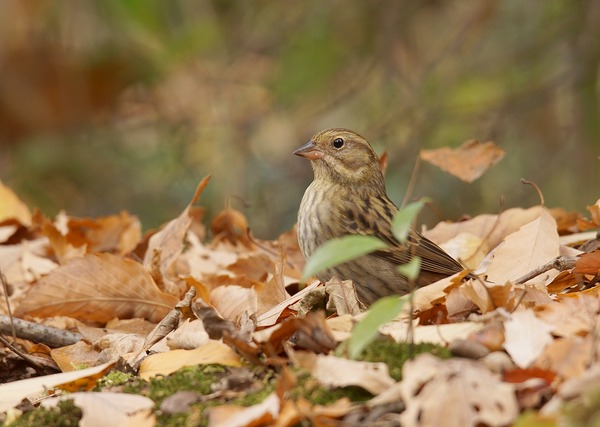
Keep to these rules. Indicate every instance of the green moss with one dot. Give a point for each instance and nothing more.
(310, 389)
(65, 414)
(194, 378)
(112, 379)
(394, 354)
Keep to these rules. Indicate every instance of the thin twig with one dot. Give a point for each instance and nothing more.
(560, 263)
(537, 188)
(8, 309)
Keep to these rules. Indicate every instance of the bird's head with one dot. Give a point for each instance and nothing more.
(343, 156)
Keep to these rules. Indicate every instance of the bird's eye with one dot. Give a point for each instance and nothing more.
(338, 143)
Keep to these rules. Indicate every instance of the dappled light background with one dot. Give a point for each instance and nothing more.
(125, 105)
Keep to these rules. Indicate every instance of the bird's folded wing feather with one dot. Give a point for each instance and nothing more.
(374, 218)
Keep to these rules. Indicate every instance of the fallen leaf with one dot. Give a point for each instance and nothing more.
(578, 315)
(588, 264)
(525, 337)
(12, 393)
(567, 357)
(97, 288)
(456, 392)
(166, 245)
(342, 297)
(233, 301)
(335, 372)
(532, 246)
(264, 413)
(105, 408)
(492, 228)
(467, 162)
(13, 208)
(170, 361)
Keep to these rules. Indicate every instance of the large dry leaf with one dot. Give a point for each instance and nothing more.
(532, 246)
(13, 208)
(233, 301)
(492, 228)
(170, 361)
(106, 408)
(119, 233)
(97, 288)
(334, 371)
(261, 414)
(567, 357)
(454, 393)
(274, 290)
(588, 264)
(467, 162)
(579, 315)
(439, 334)
(12, 393)
(525, 337)
(594, 221)
(166, 245)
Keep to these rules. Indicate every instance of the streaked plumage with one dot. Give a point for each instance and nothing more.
(348, 196)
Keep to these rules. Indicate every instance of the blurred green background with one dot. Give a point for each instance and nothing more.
(126, 104)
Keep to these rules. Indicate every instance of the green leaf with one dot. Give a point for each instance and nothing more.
(411, 269)
(382, 311)
(338, 251)
(405, 217)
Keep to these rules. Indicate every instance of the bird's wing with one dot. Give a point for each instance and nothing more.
(373, 216)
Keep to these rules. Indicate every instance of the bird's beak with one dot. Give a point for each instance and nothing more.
(310, 151)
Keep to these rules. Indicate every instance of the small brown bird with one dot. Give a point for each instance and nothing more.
(348, 196)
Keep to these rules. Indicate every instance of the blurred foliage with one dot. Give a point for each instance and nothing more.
(126, 104)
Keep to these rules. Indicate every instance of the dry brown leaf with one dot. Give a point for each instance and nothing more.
(469, 249)
(342, 297)
(233, 301)
(487, 296)
(64, 248)
(492, 228)
(231, 225)
(594, 221)
(170, 361)
(21, 265)
(456, 392)
(525, 337)
(166, 245)
(439, 334)
(532, 246)
(188, 335)
(12, 393)
(566, 222)
(467, 162)
(274, 290)
(73, 357)
(578, 315)
(270, 317)
(569, 357)
(97, 288)
(261, 414)
(294, 411)
(335, 372)
(6, 231)
(115, 233)
(588, 264)
(459, 305)
(11, 208)
(106, 408)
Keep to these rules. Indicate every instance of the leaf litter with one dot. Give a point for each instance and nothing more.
(234, 302)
